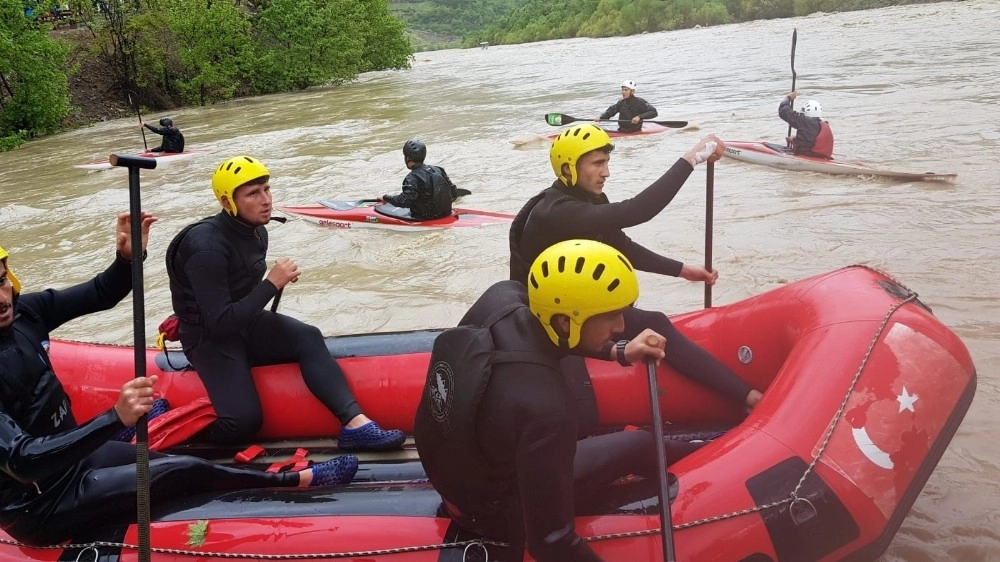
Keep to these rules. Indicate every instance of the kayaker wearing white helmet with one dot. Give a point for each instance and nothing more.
(630, 110)
(813, 136)
(173, 140)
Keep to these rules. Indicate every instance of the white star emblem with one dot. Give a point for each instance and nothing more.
(906, 400)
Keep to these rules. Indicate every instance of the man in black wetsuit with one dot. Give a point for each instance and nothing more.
(219, 290)
(515, 471)
(631, 111)
(59, 478)
(575, 206)
(427, 190)
(173, 140)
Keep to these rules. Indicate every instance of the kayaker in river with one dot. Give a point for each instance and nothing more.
(219, 292)
(575, 206)
(504, 448)
(813, 136)
(630, 110)
(59, 478)
(427, 190)
(173, 140)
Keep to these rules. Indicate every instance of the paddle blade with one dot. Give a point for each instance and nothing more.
(559, 119)
(672, 124)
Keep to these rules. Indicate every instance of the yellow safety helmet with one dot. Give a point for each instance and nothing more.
(14, 282)
(233, 173)
(581, 279)
(573, 143)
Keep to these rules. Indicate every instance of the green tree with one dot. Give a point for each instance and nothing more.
(34, 91)
(383, 38)
(306, 43)
(213, 48)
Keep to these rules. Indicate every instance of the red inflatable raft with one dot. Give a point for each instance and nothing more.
(864, 389)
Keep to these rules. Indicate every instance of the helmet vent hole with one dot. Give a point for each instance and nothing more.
(557, 300)
(534, 283)
(545, 269)
(625, 262)
(237, 170)
(561, 264)
(614, 285)
(579, 265)
(598, 271)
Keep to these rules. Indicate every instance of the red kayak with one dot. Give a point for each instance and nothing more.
(160, 157)
(372, 214)
(863, 390)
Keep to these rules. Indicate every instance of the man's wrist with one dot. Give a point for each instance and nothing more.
(129, 260)
(620, 353)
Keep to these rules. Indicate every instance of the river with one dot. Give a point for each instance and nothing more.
(905, 87)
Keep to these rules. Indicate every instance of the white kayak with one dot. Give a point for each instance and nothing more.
(160, 157)
(776, 156)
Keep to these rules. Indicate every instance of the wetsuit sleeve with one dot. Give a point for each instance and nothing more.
(643, 258)
(582, 219)
(56, 307)
(411, 192)
(30, 459)
(207, 271)
(155, 129)
(648, 111)
(790, 116)
(544, 472)
(613, 110)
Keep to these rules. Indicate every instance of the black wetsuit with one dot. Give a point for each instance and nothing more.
(560, 213)
(626, 109)
(58, 478)
(427, 192)
(528, 428)
(173, 140)
(218, 291)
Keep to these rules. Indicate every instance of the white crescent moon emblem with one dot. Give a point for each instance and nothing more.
(870, 450)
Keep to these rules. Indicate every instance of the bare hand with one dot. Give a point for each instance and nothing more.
(636, 120)
(136, 399)
(699, 273)
(793, 95)
(284, 272)
(647, 345)
(708, 149)
(753, 397)
(598, 118)
(123, 236)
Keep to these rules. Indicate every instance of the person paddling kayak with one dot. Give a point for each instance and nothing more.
(173, 140)
(630, 109)
(813, 136)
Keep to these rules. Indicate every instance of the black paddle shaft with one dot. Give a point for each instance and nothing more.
(666, 525)
(709, 212)
(134, 164)
(135, 106)
(795, 37)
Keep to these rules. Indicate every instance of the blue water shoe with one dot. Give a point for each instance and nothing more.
(370, 437)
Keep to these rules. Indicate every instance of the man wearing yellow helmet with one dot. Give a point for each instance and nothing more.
(575, 206)
(59, 478)
(501, 444)
(219, 292)
(631, 110)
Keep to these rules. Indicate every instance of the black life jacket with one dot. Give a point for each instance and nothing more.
(445, 427)
(518, 265)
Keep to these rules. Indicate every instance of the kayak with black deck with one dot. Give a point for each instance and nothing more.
(777, 156)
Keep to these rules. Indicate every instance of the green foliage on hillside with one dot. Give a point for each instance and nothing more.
(34, 92)
(539, 20)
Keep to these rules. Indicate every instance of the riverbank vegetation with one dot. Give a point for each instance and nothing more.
(185, 52)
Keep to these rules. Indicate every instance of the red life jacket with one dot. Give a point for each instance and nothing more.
(824, 141)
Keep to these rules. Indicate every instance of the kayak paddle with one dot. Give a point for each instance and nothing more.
(795, 36)
(558, 119)
(348, 205)
(666, 521)
(131, 101)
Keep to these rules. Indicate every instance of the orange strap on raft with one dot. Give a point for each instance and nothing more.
(295, 463)
(249, 454)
